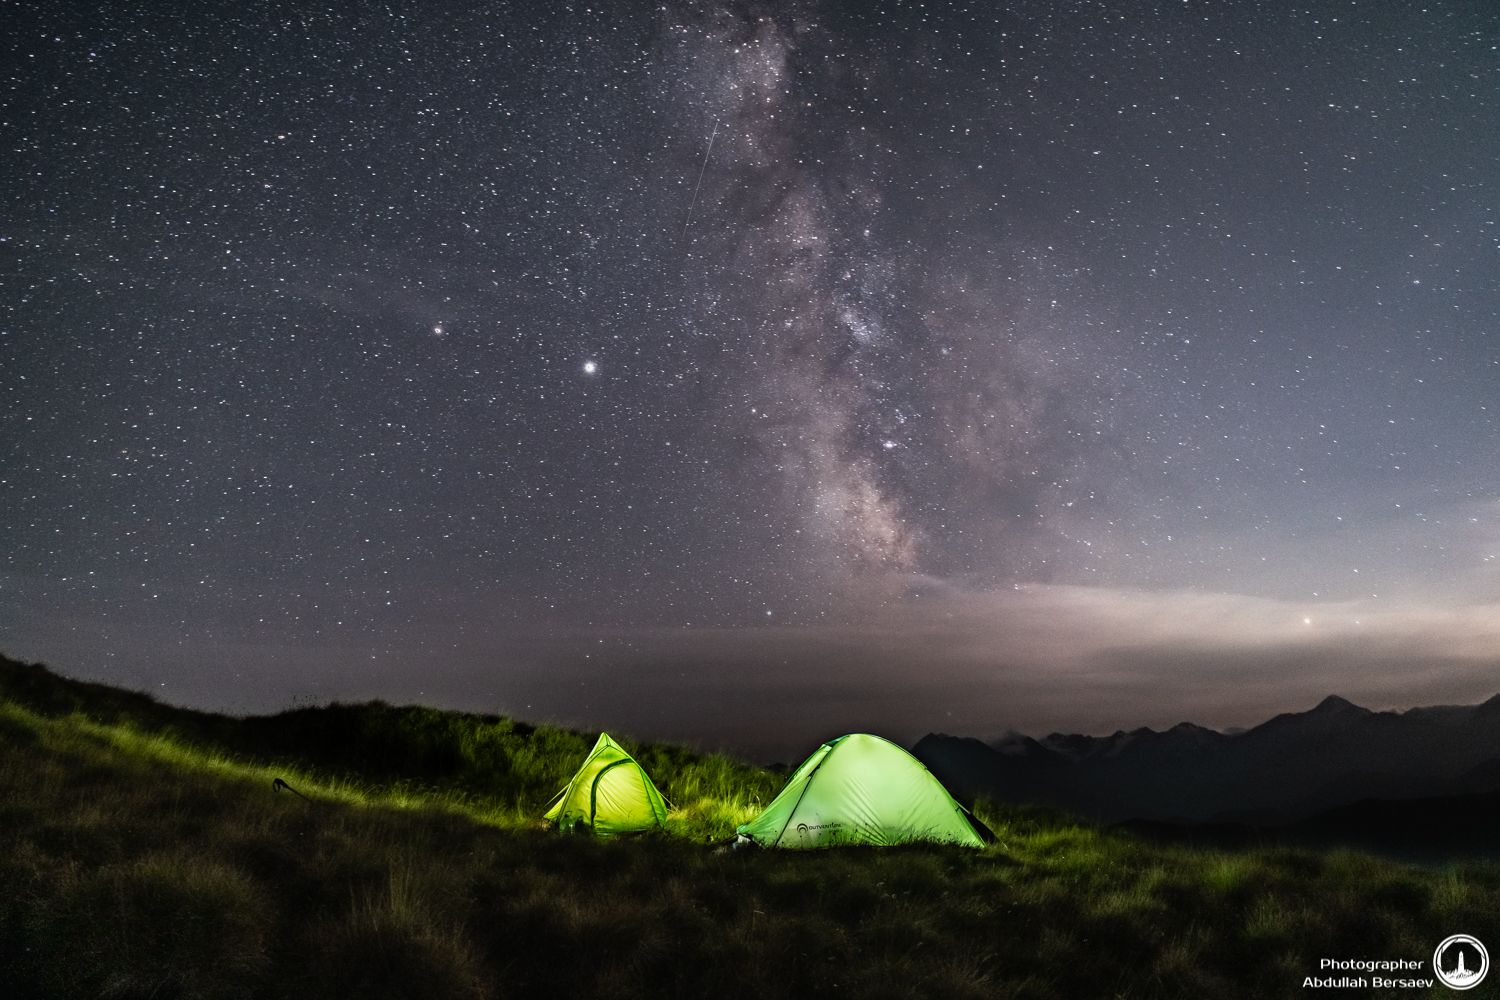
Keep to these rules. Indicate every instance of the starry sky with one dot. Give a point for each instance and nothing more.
(749, 374)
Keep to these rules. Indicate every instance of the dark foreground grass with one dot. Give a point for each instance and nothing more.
(131, 866)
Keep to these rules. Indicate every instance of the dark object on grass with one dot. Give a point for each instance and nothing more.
(278, 784)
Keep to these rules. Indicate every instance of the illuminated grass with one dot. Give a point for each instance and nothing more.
(63, 735)
(710, 808)
(141, 856)
(489, 768)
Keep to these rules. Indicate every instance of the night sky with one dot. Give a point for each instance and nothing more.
(752, 374)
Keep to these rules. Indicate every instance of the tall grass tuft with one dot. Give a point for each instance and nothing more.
(398, 940)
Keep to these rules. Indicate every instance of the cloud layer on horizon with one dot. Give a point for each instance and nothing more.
(1033, 658)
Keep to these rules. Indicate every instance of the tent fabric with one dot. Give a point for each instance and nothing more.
(861, 789)
(609, 794)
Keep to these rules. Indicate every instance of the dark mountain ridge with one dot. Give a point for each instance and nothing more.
(1283, 770)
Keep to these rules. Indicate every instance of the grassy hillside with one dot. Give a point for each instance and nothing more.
(492, 767)
(144, 853)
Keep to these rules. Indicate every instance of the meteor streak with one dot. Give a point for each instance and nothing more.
(701, 170)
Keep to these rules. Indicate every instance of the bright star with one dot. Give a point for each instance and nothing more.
(589, 367)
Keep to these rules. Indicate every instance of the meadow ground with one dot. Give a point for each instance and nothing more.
(144, 853)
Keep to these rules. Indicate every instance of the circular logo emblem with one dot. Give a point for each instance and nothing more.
(1460, 962)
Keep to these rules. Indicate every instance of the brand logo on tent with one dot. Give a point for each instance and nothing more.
(805, 830)
(1460, 962)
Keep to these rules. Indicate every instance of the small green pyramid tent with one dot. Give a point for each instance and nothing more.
(862, 790)
(610, 794)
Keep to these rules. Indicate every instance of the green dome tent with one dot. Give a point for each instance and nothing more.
(862, 790)
(610, 794)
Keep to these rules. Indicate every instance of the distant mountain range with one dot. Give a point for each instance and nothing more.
(1282, 772)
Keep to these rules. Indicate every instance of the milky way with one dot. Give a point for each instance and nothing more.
(780, 368)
